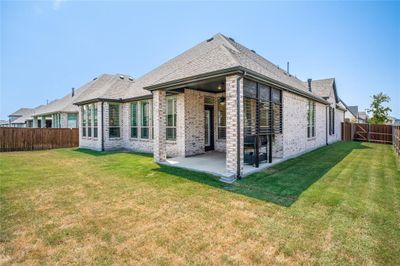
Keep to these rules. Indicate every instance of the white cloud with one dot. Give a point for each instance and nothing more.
(57, 4)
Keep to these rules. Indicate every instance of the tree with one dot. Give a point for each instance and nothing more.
(380, 113)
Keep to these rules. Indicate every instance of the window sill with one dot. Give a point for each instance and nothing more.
(221, 140)
(142, 140)
(114, 138)
(170, 141)
(312, 138)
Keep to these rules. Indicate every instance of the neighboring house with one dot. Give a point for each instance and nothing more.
(16, 119)
(64, 114)
(4, 123)
(393, 121)
(362, 117)
(218, 96)
(351, 112)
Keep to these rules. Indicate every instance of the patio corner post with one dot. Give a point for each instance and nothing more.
(43, 123)
(234, 125)
(35, 122)
(159, 110)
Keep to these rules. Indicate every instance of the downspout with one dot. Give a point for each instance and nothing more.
(326, 124)
(102, 126)
(238, 135)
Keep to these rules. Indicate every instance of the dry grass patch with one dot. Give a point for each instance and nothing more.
(72, 207)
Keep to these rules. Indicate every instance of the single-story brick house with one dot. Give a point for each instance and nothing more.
(217, 96)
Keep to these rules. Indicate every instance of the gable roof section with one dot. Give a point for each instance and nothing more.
(107, 87)
(216, 56)
(324, 88)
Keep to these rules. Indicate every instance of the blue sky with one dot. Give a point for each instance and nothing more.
(49, 47)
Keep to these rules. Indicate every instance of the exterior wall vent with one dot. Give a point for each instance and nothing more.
(209, 40)
(309, 85)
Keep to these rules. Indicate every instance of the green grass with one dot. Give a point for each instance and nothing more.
(337, 205)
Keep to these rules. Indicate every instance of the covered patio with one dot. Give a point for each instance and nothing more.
(229, 126)
(214, 163)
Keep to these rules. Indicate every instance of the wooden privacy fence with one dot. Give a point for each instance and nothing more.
(396, 139)
(367, 132)
(27, 139)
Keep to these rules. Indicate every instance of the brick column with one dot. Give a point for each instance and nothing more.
(180, 124)
(43, 123)
(159, 112)
(232, 125)
(35, 122)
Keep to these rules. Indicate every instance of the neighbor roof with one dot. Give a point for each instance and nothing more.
(95, 88)
(21, 112)
(26, 116)
(354, 110)
(217, 54)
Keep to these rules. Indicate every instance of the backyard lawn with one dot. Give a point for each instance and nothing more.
(337, 205)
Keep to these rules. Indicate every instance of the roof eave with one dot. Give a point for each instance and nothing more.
(97, 100)
(234, 70)
(200, 77)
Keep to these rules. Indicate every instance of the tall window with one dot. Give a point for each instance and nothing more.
(311, 119)
(89, 117)
(71, 117)
(145, 119)
(221, 118)
(83, 111)
(331, 121)
(171, 118)
(134, 123)
(95, 123)
(114, 123)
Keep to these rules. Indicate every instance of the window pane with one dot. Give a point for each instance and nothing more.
(95, 116)
(144, 133)
(95, 132)
(134, 114)
(114, 115)
(171, 133)
(71, 120)
(145, 114)
(133, 132)
(221, 118)
(114, 132)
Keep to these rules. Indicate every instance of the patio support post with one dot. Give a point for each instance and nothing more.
(234, 118)
(43, 123)
(159, 111)
(35, 122)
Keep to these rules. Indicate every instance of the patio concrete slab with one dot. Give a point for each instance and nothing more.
(214, 163)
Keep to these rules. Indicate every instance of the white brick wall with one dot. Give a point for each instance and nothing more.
(295, 139)
(232, 123)
(190, 127)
